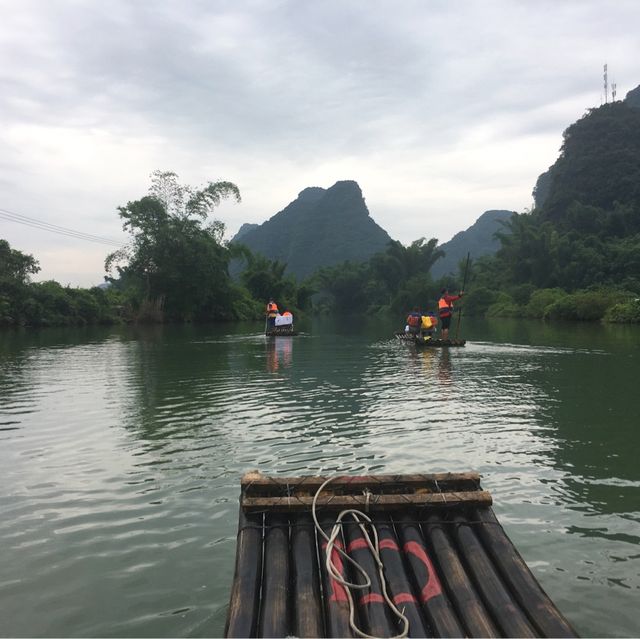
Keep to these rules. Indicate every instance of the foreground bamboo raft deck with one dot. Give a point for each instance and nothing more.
(448, 563)
(429, 343)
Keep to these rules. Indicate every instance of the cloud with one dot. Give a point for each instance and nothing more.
(439, 110)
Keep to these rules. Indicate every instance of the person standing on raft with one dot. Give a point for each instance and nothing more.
(445, 309)
(272, 311)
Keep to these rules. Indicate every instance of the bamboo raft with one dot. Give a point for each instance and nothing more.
(280, 330)
(448, 563)
(429, 343)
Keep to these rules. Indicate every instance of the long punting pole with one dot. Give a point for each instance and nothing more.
(464, 284)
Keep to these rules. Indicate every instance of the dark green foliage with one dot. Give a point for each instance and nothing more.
(397, 279)
(322, 227)
(47, 303)
(585, 233)
(176, 266)
(625, 312)
(478, 300)
(582, 305)
(265, 279)
(540, 300)
(598, 163)
(344, 288)
(479, 240)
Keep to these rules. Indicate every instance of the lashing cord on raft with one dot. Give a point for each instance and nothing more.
(359, 518)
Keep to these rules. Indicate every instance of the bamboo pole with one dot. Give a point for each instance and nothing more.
(399, 588)
(298, 503)
(244, 605)
(307, 603)
(336, 604)
(464, 284)
(255, 480)
(373, 611)
(469, 606)
(274, 613)
(524, 586)
(511, 620)
(435, 603)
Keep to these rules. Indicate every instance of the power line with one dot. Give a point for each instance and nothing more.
(54, 228)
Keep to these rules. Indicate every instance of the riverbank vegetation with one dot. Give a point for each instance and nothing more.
(175, 268)
(575, 256)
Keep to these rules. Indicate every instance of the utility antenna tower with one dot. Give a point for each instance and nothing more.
(606, 85)
(613, 91)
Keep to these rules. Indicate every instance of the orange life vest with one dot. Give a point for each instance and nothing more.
(413, 320)
(272, 308)
(445, 308)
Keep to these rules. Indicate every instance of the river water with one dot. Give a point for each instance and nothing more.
(121, 452)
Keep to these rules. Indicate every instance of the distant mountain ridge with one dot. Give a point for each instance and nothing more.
(478, 240)
(321, 227)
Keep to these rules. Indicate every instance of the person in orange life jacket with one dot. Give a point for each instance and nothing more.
(445, 309)
(272, 311)
(413, 321)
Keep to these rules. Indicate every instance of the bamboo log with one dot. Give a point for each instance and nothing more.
(399, 588)
(511, 620)
(307, 603)
(470, 608)
(524, 586)
(256, 479)
(244, 605)
(373, 611)
(274, 615)
(336, 603)
(435, 603)
(377, 502)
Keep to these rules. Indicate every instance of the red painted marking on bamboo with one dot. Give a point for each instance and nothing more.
(404, 597)
(372, 597)
(389, 544)
(357, 544)
(338, 593)
(432, 588)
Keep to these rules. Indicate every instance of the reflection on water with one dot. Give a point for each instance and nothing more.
(279, 352)
(122, 450)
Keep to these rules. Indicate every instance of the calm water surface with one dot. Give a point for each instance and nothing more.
(121, 451)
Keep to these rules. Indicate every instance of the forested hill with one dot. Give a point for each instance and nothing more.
(584, 231)
(322, 227)
(479, 239)
(599, 162)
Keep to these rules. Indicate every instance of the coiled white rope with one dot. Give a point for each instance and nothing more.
(359, 518)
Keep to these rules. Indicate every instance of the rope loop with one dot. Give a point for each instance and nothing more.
(361, 519)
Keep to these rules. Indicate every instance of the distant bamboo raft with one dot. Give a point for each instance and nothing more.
(448, 563)
(429, 343)
(280, 330)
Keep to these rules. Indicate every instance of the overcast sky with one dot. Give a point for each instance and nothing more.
(439, 110)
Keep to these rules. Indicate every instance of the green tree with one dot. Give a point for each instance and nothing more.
(175, 260)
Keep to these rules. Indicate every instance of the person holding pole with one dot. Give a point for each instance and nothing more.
(445, 309)
(272, 312)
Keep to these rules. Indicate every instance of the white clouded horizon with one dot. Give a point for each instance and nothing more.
(439, 111)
